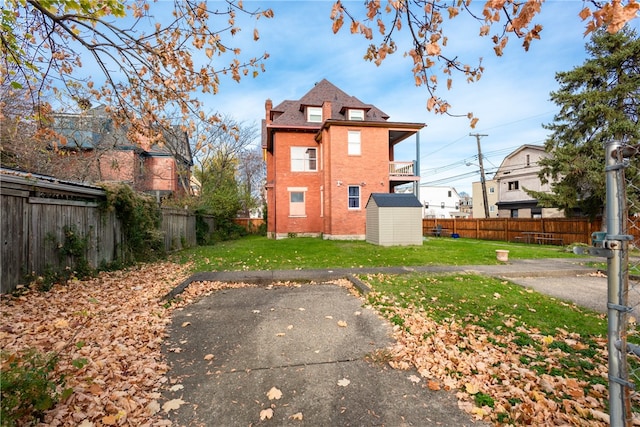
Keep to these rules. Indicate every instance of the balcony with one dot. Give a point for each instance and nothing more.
(402, 173)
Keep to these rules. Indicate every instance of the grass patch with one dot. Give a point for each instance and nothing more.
(260, 253)
(557, 341)
(493, 304)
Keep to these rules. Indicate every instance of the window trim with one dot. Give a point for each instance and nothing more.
(314, 112)
(350, 198)
(306, 159)
(352, 144)
(359, 116)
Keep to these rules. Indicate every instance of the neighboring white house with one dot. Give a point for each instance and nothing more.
(478, 201)
(440, 202)
(517, 172)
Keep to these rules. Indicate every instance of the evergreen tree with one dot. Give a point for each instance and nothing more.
(599, 103)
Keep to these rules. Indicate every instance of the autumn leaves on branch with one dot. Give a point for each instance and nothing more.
(424, 20)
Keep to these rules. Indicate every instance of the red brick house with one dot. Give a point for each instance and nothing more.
(96, 150)
(325, 154)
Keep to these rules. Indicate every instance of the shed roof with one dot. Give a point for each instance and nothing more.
(395, 200)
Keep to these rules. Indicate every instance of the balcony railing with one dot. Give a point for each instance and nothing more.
(397, 169)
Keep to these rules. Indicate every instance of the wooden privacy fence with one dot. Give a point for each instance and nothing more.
(563, 230)
(37, 213)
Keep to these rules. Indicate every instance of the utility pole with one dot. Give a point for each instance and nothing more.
(482, 179)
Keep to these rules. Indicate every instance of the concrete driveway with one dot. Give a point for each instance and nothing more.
(233, 352)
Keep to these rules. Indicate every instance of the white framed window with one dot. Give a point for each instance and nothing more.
(314, 114)
(355, 115)
(354, 197)
(304, 159)
(353, 139)
(492, 190)
(297, 201)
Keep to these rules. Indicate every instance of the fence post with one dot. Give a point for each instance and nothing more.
(617, 309)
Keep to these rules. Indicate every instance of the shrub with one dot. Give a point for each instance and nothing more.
(140, 218)
(27, 386)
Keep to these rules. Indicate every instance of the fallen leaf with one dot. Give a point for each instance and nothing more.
(172, 404)
(433, 385)
(280, 334)
(266, 414)
(177, 387)
(274, 393)
(297, 416)
(95, 389)
(471, 388)
(342, 323)
(208, 357)
(290, 327)
(153, 407)
(414, 378)
(109, 420)
(61, 323)
(344, 382)
(185, 324)
(328, 317)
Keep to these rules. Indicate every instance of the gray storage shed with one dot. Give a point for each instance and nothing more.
(394, 219)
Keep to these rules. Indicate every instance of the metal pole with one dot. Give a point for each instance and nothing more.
(416, 184)
(616, 305)
(483, 181)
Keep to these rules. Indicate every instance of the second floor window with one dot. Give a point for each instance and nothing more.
(354, 197)
(304, 159)
(354, 143)
(514, 185)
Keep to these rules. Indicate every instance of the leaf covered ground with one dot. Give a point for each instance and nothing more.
(108, 333)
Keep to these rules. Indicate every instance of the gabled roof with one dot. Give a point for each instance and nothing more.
(94, 129)
(292, 113)
(395, 200)
(505, 170)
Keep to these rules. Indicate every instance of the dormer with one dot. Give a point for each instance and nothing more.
(312, 113)
(354, 113)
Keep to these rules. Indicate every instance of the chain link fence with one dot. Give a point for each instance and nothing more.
(621, 246)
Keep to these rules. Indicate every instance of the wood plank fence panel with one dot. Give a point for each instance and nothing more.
(33, 227)
(569, 230)
(179, 229)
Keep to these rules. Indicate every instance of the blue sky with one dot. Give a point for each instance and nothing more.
(511, 100)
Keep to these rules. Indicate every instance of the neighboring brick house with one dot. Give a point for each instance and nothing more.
(519, 172)
(104, 153)
(325, 154)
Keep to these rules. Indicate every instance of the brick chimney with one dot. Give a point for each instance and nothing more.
(268, 105)
(326, 110)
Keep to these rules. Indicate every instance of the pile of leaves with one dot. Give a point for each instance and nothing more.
(515, 375)
(106, 336)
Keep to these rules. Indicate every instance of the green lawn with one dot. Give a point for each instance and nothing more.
(260, 253)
